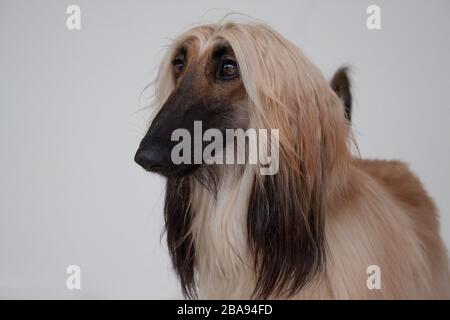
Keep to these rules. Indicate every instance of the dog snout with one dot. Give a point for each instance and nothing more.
(151, 159)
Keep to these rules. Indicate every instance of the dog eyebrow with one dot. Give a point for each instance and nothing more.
(182, 49)
(221, 49)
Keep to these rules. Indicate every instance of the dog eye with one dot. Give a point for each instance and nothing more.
(228, 70)
(178, 65)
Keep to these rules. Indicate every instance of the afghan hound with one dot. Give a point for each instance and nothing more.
(313, 229)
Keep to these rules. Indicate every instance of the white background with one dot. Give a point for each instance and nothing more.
(70, 192)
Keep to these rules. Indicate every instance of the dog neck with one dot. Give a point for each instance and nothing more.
(223, 263)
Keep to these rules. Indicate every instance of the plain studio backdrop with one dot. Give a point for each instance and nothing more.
(70, 192)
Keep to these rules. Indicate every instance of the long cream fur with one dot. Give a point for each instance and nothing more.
(377, 212)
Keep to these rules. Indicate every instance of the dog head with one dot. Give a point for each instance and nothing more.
(207, 88)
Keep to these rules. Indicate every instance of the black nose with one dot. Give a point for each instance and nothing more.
(150, 159)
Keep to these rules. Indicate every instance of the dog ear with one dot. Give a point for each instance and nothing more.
(286, 237)
(178, 217)
(286, 214)
(342, 87)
